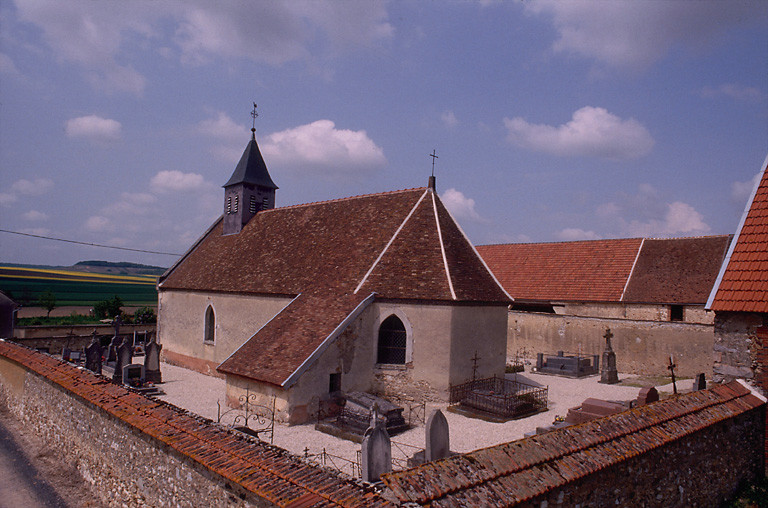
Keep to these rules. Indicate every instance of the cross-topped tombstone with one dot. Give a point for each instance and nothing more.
(124, 357)
(93, 355)
(608, 374)
(116, 324)
(376, 454)
(152, 362)
(112, 349)
(438, 444)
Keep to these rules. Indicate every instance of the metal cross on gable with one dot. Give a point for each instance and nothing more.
(434, 156)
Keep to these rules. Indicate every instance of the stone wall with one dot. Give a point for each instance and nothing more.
(642, 347)
(734, 351)
(701, 469)
(126, 467)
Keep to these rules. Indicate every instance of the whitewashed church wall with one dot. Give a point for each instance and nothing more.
(181, 324)
(478, 332)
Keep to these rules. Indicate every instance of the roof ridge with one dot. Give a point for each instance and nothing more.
(348, 198)
(561, 242)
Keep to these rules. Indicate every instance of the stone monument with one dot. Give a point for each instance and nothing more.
(152, 362)
(124, 357)
(93, 355)
(608, 374)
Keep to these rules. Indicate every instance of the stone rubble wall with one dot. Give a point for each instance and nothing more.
(126, 467)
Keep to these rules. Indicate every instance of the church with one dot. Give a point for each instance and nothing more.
(380, 293)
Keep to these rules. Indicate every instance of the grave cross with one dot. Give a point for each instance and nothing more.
(608, 336)
(474, 365)
(671, 368)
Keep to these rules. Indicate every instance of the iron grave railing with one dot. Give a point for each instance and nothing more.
(500, 397)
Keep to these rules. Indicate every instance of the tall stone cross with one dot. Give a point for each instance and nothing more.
(608, 336)
(474, 366)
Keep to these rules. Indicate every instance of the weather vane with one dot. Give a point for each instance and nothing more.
(434, 156)
(254, 114)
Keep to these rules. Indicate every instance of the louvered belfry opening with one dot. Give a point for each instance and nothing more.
(392, 341)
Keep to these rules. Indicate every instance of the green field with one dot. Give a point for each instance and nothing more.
(25, 285)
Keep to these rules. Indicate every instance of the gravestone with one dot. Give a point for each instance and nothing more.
(152, 362)
(699, 382)
(93, 356)
(112, 349)
(124, 357)
(438, 445)
(133, 374)
(647, 395)
(608, 374)
(376, 453)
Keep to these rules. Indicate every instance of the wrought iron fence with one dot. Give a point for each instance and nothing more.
(342, 464)
(254, 419)
(500, 396)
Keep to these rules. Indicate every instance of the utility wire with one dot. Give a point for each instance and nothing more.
(90, 244)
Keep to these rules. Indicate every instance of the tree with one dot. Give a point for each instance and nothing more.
(47, 300)
(144, 315)
(108, 308)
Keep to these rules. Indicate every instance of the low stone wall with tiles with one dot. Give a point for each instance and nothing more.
(138, 451)
(702, 469)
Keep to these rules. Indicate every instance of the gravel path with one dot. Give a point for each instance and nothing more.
(199, 393)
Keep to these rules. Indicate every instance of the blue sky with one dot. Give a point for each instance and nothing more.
(552, 120)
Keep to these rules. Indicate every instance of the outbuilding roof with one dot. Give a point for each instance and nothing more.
(515, 472)
(333, 255)
(742, 285)
(636, 270)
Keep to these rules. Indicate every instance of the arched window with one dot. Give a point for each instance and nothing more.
(210, 324)
(392, 341)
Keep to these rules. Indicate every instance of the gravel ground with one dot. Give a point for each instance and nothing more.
(199, 393)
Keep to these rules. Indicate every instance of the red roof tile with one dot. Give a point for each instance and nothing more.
(334, 254)
(595, 270)
(267, 471)
(742, 282)
(514, 472)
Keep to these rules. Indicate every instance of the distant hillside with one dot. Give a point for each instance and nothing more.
(107, 267)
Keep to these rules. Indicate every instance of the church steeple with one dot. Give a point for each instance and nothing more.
(250, 189)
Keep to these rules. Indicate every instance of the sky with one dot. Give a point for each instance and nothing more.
(551, 120)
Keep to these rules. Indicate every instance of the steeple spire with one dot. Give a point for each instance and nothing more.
(250, 189)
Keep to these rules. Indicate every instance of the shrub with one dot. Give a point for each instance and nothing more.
(108, 308)
(144, 315)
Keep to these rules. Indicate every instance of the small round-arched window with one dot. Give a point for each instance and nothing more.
(210, 325)
(392, 341)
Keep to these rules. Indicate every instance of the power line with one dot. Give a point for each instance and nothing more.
(89, 244)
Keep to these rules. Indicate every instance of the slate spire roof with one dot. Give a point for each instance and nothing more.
(331, 257)
(742, 285)
(251, 169)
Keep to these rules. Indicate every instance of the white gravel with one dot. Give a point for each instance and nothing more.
(199, 393)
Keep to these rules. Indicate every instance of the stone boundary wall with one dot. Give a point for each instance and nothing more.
(642, 347)
(703, 468)
(34, 332)
(139, 451)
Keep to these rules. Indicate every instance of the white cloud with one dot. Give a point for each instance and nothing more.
(460, 206)
(99, 35)
(132, 204)
(320, 146)
(733, 91)
(34, 216)
(222, 127)
(176, 181)
(449, 119)
(37, 231)
(24, 187)
(592, 132)
(679, 219)
(574, 234)
(741, 191)
(93, 127)
(98, 224)
(636, 34)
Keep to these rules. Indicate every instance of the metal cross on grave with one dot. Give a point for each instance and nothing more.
(671, 368)
(474, 365)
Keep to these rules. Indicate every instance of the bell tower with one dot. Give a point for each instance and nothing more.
(250, 189)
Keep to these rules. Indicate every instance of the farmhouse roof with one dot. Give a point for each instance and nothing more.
(636, 270)
(742, 285)
(333, 255)
(251, 169)
(515, 472)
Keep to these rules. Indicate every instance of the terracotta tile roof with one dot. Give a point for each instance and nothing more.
(334, 254)
(518, 471)
(743, 281)
(676, 270)
(267, 471)
(590, 271)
